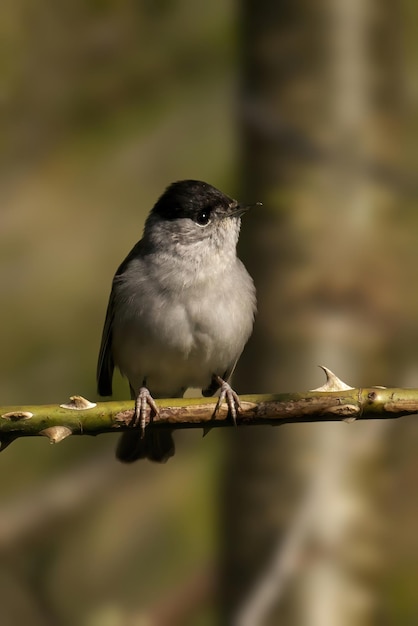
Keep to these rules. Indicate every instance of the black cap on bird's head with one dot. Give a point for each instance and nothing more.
(193, 199)
(191, 210)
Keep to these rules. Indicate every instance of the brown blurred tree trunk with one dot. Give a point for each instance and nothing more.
(317, 130)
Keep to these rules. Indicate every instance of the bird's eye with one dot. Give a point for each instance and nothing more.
(203, 218)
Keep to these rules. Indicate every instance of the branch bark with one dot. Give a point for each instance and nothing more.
(332, 402)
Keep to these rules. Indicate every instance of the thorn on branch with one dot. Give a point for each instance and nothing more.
(56, 434)
(333, 383)
(348, 412)
(78, 403)
(16, 416)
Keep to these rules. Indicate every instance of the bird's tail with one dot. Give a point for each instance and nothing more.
(156, 445)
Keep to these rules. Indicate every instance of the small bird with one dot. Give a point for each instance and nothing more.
(180, 311)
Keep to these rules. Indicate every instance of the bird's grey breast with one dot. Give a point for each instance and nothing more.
(170, 316)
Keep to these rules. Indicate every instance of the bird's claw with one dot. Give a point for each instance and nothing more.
(231, 398)
(143, 400)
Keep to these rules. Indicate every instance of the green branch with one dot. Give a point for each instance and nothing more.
(335, 401)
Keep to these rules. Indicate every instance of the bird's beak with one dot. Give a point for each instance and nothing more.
(239, 210)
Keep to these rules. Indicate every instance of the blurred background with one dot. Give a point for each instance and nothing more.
(311, 108)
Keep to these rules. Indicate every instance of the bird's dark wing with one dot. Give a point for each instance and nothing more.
(105, 363)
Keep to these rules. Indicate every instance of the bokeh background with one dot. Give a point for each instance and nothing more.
(311, 108)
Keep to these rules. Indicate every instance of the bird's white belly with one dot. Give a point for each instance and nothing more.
(173, 346)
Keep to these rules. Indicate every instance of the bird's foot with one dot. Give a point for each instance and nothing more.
(229, 396)
(143, 400)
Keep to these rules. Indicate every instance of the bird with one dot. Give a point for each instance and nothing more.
(181, 309)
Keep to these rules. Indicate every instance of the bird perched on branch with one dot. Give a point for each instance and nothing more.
(180, 311)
